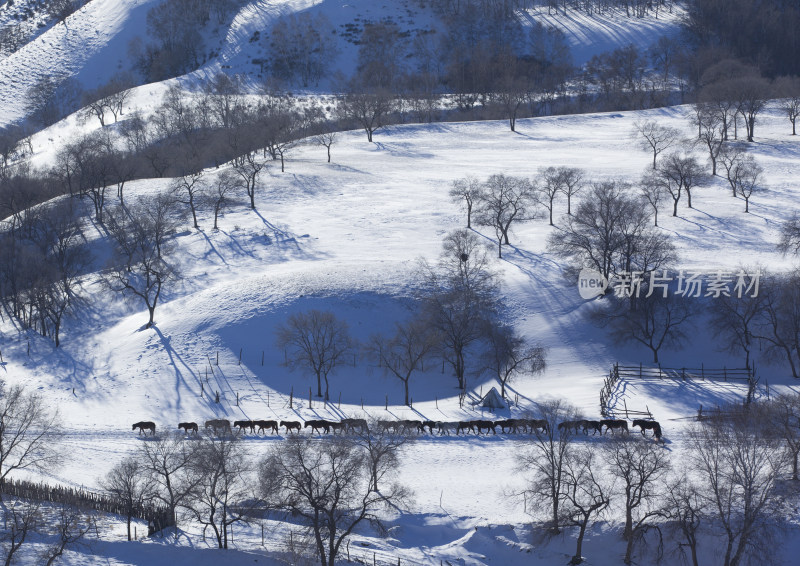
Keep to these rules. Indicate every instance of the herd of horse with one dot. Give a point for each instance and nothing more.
(320, 426)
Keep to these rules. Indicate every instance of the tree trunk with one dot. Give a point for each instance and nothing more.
(577, 559)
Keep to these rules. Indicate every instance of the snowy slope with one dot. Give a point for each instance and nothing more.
(346, 236)
(92, 44)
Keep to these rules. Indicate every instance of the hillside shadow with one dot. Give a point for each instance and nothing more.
(358, 378)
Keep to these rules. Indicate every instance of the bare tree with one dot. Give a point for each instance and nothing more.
(656, 321)
(503, 201)
(189, 189)
(778, 327)
(469, 190)
(223, 188)
(70, 527)
(222, 495)
(326, 139)
(170, 464)
(571, 179)
(317, 341)
(508, 355)
(370, 110)
(734, 321)
(327, 485)
(248, 167)
(784, 415)
(788, 88)
(21, 519)
(547, 457)
(710, 133)
(548, 190)
(11, 146)
(730, 156)
(586, 494)
(751, 94)
(680, 173)
(610, 232)
(404, 353)
(459, 295)
(654, 192)
(739, 460)
(640, 468)
(510, 93)
(687, 511)
(140, 235)
(790, 236)
(27, 430)
(655, 137)
(128, 483)
(745, 178)
(383, 448)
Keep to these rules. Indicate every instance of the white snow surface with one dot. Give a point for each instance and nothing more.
(346, 237)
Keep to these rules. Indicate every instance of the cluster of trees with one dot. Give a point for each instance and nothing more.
(43, 255)
(733, 496)
(502, 200)
(28, 428)
(760, 32)
(457, 318)
(176, 28)
(301, 48)
(330, 486)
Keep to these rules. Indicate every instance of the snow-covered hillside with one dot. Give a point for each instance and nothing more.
(92, 44)
(346, 236)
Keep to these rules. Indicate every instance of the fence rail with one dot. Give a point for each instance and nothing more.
(157, 517)
(702, 373)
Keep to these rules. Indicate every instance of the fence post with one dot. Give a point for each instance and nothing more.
(703, 371)
(387, 402)
(240, 356)
(262, 358)
(640, 370)
(339, 406)
(309, 397)
(725, 373)
(291, 397)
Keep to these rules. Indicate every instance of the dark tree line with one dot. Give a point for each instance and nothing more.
(43, 257)
(762, 32)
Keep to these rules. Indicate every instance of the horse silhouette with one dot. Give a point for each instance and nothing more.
(145, 425)
(188, 427)
(648, 425)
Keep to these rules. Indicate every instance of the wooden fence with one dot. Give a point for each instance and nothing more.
(701, 373)
(157, 517)
(744, 375)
